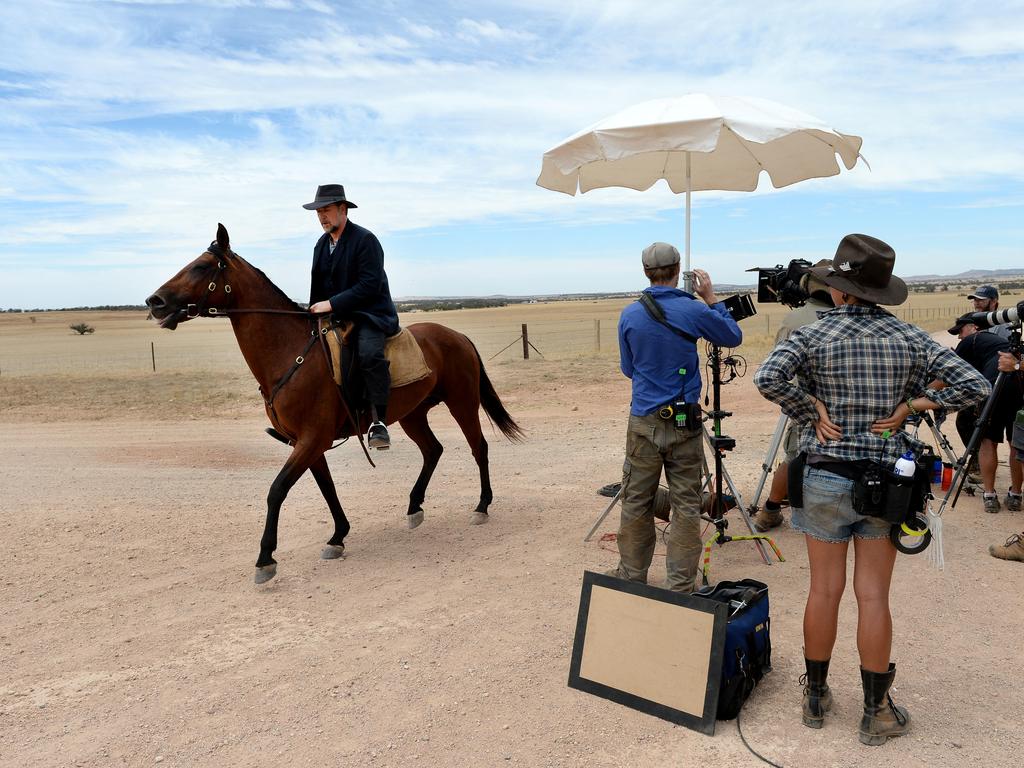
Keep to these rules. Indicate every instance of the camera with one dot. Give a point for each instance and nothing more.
(1008, 316)
(781, 283)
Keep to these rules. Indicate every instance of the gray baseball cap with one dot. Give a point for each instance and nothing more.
(660, 255)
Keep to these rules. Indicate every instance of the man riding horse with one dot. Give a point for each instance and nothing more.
(348, 281)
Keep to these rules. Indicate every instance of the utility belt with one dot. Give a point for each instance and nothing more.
(683, 415)
(879, 492)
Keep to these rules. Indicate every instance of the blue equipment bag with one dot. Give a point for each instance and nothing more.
(748, 645)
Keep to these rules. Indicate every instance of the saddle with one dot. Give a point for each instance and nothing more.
(402, 351)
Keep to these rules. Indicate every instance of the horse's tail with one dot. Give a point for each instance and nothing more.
(493, 406)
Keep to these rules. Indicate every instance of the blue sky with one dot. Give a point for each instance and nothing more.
(128, 129)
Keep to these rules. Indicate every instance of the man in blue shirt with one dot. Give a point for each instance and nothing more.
(661, 360)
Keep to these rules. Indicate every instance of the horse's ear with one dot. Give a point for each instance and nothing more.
(222, 239)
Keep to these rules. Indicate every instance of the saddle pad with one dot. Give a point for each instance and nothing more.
(406, 358)
(402, 351)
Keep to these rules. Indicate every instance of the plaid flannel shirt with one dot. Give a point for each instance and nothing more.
(862, 362)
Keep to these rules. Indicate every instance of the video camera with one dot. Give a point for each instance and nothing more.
(1008, 316)
(781, 283)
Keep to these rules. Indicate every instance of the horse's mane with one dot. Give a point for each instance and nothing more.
(293, 305)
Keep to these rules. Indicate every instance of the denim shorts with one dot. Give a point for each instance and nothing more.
(828, 514)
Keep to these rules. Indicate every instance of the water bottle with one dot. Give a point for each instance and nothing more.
(906, 465)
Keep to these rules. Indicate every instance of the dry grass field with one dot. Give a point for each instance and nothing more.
(132, 634)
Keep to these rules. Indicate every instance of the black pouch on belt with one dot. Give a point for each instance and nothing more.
(882, 493)
(686, 416)
(795, 478)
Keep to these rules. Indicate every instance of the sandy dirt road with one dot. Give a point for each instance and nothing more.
(132, 633)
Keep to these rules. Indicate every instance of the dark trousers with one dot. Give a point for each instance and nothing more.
(372, 363)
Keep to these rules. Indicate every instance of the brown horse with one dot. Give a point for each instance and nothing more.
(279, 341)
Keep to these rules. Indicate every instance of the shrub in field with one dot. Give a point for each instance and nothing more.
(82, 328)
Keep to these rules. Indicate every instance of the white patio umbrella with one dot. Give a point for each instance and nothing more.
(698, 142)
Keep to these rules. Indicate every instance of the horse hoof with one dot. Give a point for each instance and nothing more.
(414, 519)
(265, 573)
(479, 518)
(332, 552)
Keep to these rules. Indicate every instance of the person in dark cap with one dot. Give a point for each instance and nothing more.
(851, 379)
(659, 356)
(348, 281)
(986, 299)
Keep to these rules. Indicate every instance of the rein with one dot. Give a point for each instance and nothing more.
(202, 310)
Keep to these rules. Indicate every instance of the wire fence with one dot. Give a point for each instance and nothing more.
(211, 347)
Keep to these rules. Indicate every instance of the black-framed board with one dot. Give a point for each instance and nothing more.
(650, 649)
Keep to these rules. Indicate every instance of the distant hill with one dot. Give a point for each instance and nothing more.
(973, 275)
(1007, 279)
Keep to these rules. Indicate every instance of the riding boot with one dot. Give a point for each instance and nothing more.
(882, 718)
(817, 696)
(378, 436)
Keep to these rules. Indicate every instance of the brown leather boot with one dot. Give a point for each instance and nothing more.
(766, 519)
(882, 719)
(817, 696)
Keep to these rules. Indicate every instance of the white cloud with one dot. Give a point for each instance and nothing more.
(437, 119)
(487, 30)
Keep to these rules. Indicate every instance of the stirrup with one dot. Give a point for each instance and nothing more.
(278, 436)
(377, 436)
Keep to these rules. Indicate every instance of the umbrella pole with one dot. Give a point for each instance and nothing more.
(687, 275)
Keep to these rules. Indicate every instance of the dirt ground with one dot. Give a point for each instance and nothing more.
(132, 633)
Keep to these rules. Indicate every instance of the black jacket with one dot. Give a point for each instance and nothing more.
(982, 351)
(353, 279)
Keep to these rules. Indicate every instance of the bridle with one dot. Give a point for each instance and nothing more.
(202, 310)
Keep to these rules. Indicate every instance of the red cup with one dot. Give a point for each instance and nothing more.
(947, 475)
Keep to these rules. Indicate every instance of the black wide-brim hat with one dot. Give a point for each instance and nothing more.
(862, 267)
(329, 194)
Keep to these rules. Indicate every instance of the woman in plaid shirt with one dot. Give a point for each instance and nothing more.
(859, 372)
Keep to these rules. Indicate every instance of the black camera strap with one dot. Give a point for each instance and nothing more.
(658, 315)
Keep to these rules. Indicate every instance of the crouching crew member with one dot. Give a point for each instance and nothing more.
(850, 380)
(349, 281)
(664, 432)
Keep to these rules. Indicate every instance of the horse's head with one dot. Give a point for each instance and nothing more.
(199, 289)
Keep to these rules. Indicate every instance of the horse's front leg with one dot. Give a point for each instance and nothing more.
(335, 547)
(299, 461)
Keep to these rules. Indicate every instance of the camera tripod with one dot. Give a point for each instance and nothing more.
(719, 444)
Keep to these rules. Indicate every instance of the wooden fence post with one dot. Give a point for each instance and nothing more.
(597, 333)
(526, 343)
(152, 353)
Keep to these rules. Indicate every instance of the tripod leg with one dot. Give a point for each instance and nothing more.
(739, 502)
(972, 445)
(743, 513)
(769, 459)
(940, 439)
(708, 476)
(603, 515)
